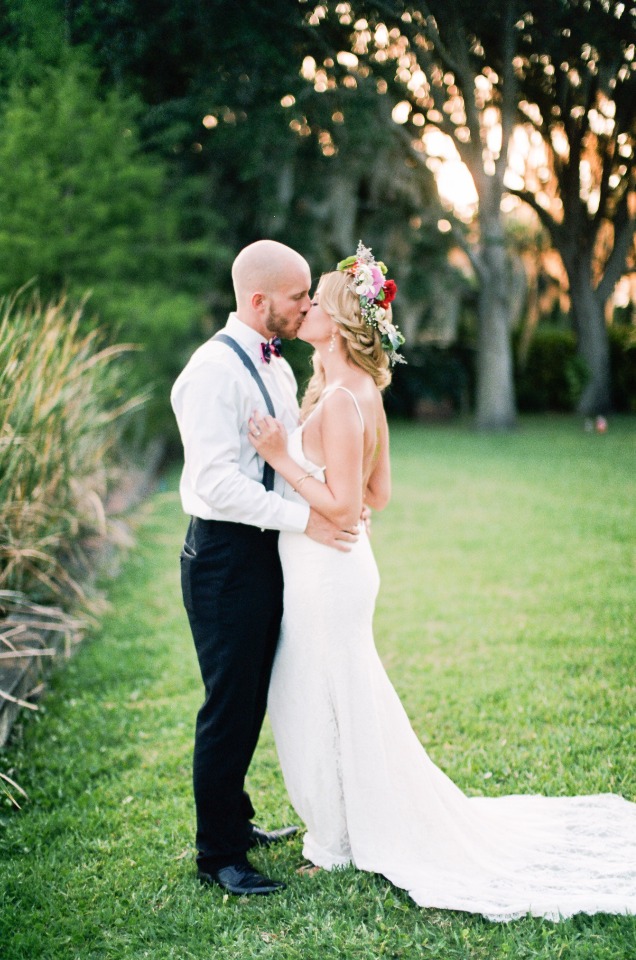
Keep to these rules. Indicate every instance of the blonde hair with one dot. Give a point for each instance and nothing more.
(362, 341)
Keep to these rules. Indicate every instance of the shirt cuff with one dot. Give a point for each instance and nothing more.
(294, 517)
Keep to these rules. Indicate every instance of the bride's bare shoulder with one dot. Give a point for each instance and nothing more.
(366, 396)
(362, 386)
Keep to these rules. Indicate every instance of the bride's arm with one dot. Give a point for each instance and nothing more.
(378, 492)
(340, 497)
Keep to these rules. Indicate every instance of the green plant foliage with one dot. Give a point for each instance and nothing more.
(32, 34)
(82, 206)
(435, 382)
(167, 325)
(63, 401)
(552, 375)
(622, 339)
(79, 202)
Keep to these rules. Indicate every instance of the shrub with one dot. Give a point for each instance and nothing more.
(623, 360)
(84, 206)
(552, 375)
(62, 407)
(80, 202)
(435, 381)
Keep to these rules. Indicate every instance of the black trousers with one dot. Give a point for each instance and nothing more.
(233, 593)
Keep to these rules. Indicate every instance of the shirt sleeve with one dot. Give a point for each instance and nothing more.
(212, 411)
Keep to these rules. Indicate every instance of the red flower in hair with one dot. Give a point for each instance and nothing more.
(389, 289)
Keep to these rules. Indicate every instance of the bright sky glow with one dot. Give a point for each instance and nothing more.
(456, 188)
(347, 59)
(401, 111)
(454, 182)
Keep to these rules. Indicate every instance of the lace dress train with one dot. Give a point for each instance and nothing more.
(370, 795)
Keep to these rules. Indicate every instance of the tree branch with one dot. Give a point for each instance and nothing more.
(476, 261)
(469, 152)
(459, 63)
(604, 188)
(509, 89)
(547, 220)
(624, 227)
(430, 30)
(456, 233)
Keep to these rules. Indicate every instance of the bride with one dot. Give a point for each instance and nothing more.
(355, 770)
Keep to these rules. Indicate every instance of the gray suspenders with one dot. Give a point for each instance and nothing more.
(268, 472)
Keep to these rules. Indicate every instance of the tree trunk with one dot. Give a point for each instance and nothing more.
(593, 342)
(593, 347)
(495, 408)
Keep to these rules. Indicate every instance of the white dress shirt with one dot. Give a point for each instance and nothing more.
(213, 398)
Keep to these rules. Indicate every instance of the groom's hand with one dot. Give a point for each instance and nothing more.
(324, 531)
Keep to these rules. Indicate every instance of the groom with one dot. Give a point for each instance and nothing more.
(230, 571)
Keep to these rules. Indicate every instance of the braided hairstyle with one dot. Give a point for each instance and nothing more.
(362, 341)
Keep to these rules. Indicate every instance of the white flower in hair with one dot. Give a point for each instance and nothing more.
(363, 280)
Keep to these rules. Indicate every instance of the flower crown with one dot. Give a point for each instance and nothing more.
(375, 295)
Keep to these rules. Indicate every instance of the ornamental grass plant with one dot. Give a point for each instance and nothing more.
(62, 407)
(63, 401)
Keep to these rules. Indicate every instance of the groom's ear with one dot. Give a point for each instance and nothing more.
(258, 301)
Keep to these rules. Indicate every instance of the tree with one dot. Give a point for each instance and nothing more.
(79, 203)
(475, 75)
(450, 69)
(212, 76)
(577, 74)
(257, 133)
(82, 207)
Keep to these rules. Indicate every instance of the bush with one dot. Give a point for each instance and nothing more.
(167, 326)
(439, 381)
(83, 206)
(436, 381)
(552, 375)
(63, 398)
(80, 202)
(623, 361)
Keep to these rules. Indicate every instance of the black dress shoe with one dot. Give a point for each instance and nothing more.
(265, 838)
(241, 879)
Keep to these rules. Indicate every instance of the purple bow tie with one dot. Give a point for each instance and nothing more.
(271, 348)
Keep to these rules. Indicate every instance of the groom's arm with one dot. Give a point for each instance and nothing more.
(212, 413)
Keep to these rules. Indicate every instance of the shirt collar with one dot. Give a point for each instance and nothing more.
(248, 338)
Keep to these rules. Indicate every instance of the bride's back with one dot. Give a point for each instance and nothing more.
(367, 400)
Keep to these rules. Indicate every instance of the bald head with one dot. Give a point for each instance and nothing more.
(271, 284)
(263, 267)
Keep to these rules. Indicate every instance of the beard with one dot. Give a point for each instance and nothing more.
(281, 326)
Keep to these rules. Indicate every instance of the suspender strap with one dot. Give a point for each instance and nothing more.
(268, 471)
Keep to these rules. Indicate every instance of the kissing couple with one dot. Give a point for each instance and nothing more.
(279, 583)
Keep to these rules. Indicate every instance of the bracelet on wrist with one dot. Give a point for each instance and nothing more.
(300, 481)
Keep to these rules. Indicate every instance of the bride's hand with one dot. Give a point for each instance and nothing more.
(268, 436)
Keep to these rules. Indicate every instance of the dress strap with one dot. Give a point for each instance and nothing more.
(353, 397)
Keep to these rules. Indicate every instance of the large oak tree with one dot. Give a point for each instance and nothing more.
(477, 74)
(577, 75)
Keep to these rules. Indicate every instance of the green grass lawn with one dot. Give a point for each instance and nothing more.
(506, 622)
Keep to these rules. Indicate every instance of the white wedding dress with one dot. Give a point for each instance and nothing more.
(369, 794)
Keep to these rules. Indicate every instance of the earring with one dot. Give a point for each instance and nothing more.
(332, 342)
